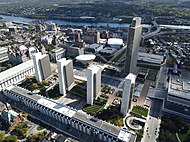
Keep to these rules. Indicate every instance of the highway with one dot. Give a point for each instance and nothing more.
(150, 34)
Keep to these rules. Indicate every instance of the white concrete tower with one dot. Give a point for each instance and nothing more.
(93, 83)
(65, 75)
(41, 66)
(127, 93)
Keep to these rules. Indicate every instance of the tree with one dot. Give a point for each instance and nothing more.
(9, 66)
(44, 82)
(20, 132)
(11, 138)
(34, 86)
(2, 136)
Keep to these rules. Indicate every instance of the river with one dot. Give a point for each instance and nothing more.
(98, 24)
(62, 22)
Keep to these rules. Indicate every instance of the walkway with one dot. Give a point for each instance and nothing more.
(144, 92)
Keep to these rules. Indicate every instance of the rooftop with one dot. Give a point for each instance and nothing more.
(115, 41)
(94, 68)
(57, 107)
(86, 57)
(24, 92)
(179, 87)
(3, 50)
(15, 70)
(131, 77)
(108, 50)
(150, 58)
(67, 111)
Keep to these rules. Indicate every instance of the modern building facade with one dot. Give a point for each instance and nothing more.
(100, 130)
(93, 83)
(133, 41)
(3, 55)
(41, 66)
(127, 93)
(65, 75)
(57, 54)
(16, 74)
(178, 98)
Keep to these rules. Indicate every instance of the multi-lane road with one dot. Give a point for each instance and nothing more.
(153, 121)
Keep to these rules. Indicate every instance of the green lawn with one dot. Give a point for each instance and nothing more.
(140, 110)
(92, 109)
(183, 137)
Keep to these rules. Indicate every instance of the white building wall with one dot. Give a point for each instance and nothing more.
(16, 74)
(36, 57)
(126, 97)
(90, 88)
(61, 77)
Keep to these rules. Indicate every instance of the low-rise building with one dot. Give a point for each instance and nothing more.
(94, 48)
(115, 43)
(57, 54)
(3, 55)
(108, 51)
(148, 58)
(67, 116)
(10, 116)
(73, 51)
(16, 74)
(178, 97)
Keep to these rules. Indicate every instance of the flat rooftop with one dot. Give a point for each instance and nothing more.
(15, 70)
(124, 135)
(24, 93)
(150, 58)
(179, 87)
(108, 50)
(115, 41)
(57, 107)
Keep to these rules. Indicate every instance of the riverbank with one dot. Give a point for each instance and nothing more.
(63, 22)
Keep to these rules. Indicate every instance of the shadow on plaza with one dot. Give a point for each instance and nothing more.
(156, 108)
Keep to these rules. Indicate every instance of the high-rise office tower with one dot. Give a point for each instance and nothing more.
(127, 93)
(133, 42)
(65, 75)
(93, 83)
(41, 66)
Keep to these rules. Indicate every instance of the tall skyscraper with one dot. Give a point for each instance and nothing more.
(133, 42)
(41, 66)
(65, 75)
(127, 93)
(93, 83)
